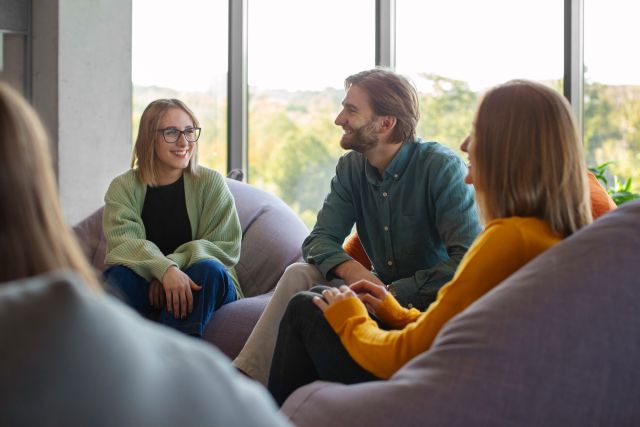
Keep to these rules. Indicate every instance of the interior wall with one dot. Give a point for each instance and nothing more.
(14, 32)
(44, 80)
(82, 89)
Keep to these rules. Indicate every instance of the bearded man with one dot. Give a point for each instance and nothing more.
(414, 213)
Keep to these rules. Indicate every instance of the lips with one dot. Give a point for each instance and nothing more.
(181, 153)
(468, 179)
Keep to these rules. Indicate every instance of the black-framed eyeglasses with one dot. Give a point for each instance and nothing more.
(172, 135)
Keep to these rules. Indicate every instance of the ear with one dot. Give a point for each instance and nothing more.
(387, 123)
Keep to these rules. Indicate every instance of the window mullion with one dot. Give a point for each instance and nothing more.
(237, 88)
(386, 33)
(574, 56)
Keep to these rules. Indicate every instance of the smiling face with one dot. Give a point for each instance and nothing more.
(358, 121)
(172, 159)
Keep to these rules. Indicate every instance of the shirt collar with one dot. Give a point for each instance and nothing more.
(395, 168)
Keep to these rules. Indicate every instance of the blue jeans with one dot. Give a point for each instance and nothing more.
(217, 290)
(308, 349)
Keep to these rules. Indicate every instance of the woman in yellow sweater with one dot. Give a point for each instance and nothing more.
(527, 166)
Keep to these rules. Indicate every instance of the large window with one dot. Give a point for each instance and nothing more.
(179, 51)
(454, 50)
(298, 61)
(612, 86)
(299, 52)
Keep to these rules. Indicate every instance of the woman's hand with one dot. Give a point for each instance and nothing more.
(332, 296)
(156, 294)
(371, 294)
(177, 289)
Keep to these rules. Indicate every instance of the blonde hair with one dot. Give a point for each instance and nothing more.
(391, 95)
(34, 236)
(144, 153)
(529, 159)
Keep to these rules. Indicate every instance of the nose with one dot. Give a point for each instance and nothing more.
(465, 145)
(339, 121)
(182, 140)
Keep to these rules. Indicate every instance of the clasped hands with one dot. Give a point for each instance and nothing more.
(371, 294)
(176, 289)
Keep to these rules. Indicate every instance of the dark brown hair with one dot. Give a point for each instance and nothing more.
(391, 95)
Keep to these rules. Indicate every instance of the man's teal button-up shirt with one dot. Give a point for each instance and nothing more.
(415, 222)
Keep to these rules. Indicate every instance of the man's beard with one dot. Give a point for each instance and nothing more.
(361, 139)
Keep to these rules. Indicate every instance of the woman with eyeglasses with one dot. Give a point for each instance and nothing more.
(172, 230)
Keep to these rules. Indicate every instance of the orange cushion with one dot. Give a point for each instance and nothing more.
(354, 249)
(601, 202)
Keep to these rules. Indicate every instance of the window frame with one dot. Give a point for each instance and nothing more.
(385, 43)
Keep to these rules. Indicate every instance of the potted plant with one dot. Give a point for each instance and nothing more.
(619, 190)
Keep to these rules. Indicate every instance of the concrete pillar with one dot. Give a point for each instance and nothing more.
(82, 89)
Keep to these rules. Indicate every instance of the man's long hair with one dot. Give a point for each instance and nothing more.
(391, 95)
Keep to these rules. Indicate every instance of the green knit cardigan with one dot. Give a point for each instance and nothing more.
(215, 227)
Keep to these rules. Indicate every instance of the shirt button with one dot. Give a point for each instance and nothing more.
(386, 228)
(409, 305)
(389, 262)
(385, 194)
(395, 176)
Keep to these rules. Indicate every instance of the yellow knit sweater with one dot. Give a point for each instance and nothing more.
(503, 247)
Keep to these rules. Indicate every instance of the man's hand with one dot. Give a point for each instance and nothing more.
(371, 294)
(156, 294)
(352, 271)
(177, 289)
(332, 296)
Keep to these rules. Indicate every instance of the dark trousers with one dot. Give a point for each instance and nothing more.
(308, 349)
(217, 290)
